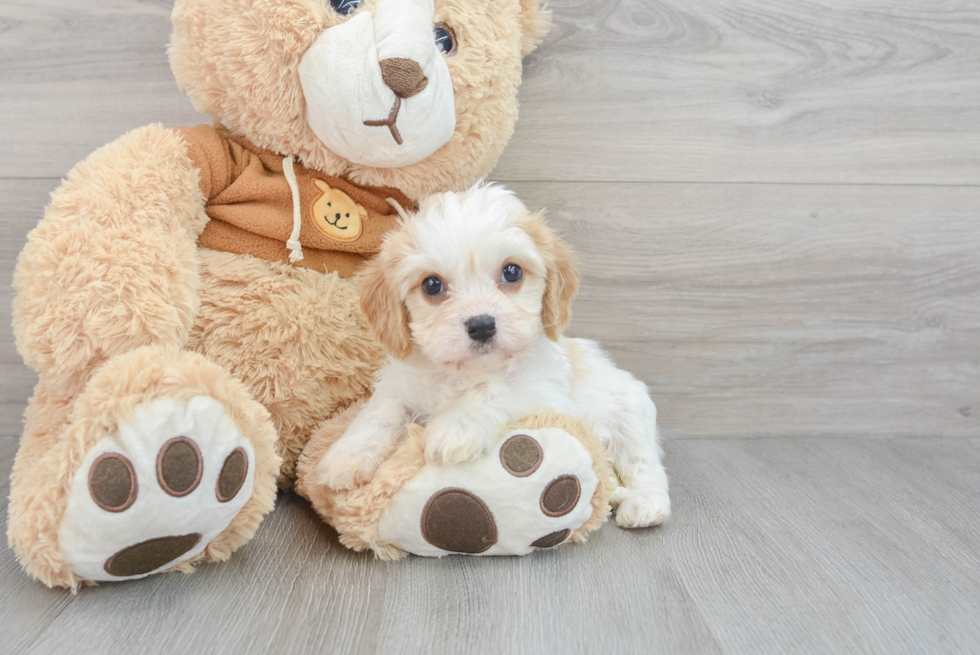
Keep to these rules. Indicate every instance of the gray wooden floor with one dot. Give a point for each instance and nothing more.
(777, 205)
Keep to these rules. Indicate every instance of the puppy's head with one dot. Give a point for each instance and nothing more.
(472, 276)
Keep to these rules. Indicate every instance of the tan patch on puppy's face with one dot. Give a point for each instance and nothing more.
(562, 277)
(336, 215)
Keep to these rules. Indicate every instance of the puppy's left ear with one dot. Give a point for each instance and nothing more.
(384, 309)
(563, 279)
(535, 23)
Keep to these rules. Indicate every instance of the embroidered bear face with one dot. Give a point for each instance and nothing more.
(417, 95)
(336, 215)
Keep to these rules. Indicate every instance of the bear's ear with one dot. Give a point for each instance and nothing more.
(535, 23)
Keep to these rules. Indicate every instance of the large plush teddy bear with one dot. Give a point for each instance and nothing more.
(187, 305)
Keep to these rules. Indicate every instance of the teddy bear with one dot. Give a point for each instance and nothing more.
(187, 304)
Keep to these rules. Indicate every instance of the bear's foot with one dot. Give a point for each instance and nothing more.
(163, 460)
(533, 490)
(152, 495)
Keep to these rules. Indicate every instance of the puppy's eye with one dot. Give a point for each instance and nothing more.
(445, 39)
(432, 286)
(345, 7)
(512, 273)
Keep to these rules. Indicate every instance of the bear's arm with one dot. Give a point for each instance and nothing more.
(219, 160)
(113, 264)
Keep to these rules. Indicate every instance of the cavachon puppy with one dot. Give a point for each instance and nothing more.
(470, 297)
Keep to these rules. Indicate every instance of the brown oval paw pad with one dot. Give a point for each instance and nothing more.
(112, 482)
(146, 556)
(521, 455)
(456, 520)
(179, 466)
(561, 495)
(232, 475)
(552, 540)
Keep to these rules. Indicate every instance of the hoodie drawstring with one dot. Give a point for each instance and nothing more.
(295, 248)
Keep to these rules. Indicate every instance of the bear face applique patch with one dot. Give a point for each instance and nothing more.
(336, 215)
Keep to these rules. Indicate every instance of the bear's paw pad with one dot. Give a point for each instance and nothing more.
(157, 491)
(458, 521)
(532, 491)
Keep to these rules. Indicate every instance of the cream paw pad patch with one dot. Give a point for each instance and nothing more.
(534, 490)
(156, 492)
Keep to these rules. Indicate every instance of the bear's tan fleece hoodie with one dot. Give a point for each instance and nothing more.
(254, 206)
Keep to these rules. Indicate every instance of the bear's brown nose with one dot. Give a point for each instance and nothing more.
(403, 76)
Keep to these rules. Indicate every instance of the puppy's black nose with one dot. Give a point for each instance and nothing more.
(481, 328)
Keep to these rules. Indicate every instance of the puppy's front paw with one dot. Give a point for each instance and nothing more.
(640, 509)
(454, 439)
(345, 467)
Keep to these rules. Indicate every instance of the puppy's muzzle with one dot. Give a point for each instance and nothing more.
(481, 328)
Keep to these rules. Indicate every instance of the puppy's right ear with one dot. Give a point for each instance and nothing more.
(384, 309)
(562, 282)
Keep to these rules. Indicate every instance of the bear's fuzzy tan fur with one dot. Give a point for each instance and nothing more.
(117, 305)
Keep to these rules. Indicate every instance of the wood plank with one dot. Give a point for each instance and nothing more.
(21, 207)
(882, 91)
(769, 310)
(777, 545)
(854, 534)
(750, 310)
(80, 74)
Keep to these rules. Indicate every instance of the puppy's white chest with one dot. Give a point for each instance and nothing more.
(447, 393)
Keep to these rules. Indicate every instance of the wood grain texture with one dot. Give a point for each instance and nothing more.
(777, 546)
(78, 74)
(775, 310)
(882, 91)
(21, 207)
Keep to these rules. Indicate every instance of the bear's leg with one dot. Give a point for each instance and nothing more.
(546, 481)
(295, 337)
(162, 461)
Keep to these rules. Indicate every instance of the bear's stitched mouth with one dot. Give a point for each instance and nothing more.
(334, 224)
(390, 121)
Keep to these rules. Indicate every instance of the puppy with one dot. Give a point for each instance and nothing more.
(470, 297)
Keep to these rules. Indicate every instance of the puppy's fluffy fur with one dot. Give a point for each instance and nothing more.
(464, 389)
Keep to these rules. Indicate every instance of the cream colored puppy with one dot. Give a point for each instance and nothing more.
(470, 296)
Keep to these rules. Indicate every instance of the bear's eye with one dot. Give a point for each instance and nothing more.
(345, 7)
(432, 286)
(512, 273)
(445, 39)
